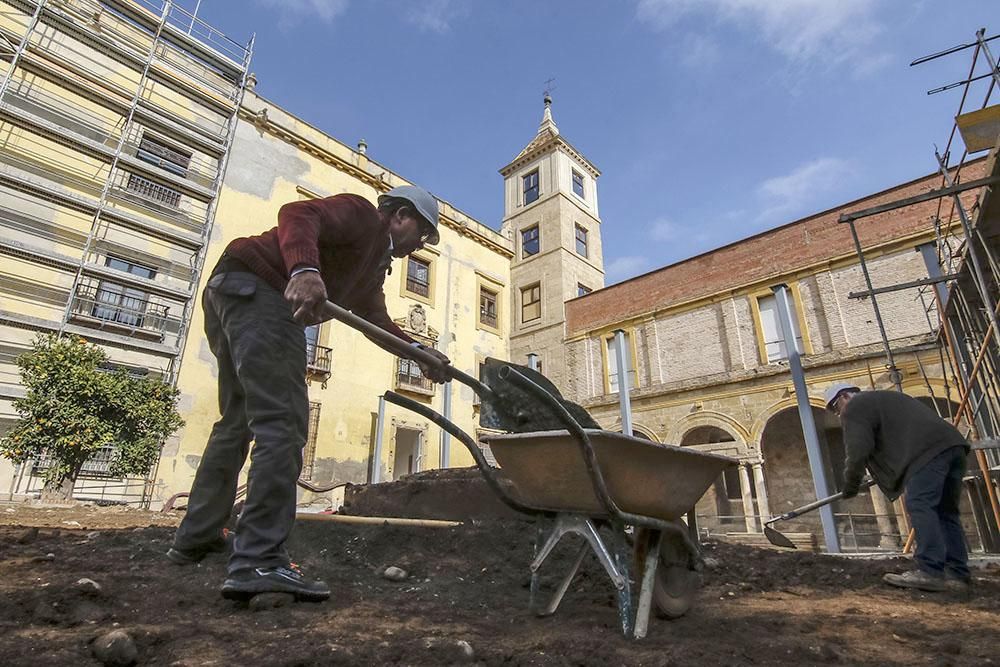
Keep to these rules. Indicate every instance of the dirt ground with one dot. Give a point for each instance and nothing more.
(465, 584)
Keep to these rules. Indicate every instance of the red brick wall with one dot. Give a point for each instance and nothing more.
(775, 252)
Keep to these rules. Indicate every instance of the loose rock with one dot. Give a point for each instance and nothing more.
(115, 649)
(393, 573)
(88, 586)
(449, 650)
(711, 563)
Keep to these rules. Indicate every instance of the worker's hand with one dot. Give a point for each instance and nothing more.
(849, 492)
(436, 372)
(307, 294)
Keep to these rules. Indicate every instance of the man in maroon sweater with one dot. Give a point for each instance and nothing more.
(262, 294)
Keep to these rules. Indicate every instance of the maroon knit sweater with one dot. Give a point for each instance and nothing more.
(343, 236)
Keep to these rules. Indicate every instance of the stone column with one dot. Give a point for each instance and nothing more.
(758, 478)
(883, 518)
(747, 493)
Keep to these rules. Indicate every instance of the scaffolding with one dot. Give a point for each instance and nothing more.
(961, 294)
(117, 119)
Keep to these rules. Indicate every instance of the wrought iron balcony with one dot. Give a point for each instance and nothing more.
(409, 378)
(319, 359)
(112, 305)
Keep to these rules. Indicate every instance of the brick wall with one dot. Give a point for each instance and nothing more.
(779, 251)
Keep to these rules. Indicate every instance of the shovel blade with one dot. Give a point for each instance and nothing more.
(777, 539)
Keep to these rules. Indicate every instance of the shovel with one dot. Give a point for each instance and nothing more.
(779, 540)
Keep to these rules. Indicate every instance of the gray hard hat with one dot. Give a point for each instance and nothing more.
(835, 390)
(424, 203)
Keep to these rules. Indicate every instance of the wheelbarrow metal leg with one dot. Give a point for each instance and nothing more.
(564, 586)
(585, 528)
(623, 560)
(589, 532)
(616, 565)
(558, 530)
(652, 560)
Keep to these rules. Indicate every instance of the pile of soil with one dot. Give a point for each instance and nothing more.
(464, 600)
(457, 494)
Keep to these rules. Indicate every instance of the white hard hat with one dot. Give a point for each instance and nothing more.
(835, 390)
(424, 203)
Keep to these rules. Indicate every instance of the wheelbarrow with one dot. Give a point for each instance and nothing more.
(625, 496)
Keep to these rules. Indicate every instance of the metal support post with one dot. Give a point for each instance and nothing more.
(376, 462)
(445, 457)
(893, 371)
(624, 384)
(806, 417)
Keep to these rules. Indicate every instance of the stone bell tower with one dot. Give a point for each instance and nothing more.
(551, 214)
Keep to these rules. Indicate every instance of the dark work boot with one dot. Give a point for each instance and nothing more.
(244, 584)
(194, 555)
(916, 579)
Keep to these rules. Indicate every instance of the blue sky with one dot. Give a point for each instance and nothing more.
(711, 120)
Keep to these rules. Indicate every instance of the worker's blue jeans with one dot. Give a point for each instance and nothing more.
(932, 500)
(262, 397)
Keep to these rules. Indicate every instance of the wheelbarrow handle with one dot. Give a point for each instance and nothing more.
(816, 504)
(400, 347)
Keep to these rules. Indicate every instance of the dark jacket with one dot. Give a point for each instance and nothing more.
(893, 435)
(343, 236)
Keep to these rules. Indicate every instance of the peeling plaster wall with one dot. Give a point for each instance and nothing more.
(264, 173)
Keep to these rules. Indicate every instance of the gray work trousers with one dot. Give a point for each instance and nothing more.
(262, 398)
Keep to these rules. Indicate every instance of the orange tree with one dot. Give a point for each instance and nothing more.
(74, 406)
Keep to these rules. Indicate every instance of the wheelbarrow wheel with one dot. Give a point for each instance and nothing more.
(674, 590)
(676, 584)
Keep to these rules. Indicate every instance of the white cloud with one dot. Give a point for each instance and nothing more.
(664, 230)
(678, 242)
(434, 15)
(621, 268)
(294, 11)
(793, 192)
(701, 51)
(831, 31)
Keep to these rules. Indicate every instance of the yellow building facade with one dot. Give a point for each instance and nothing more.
(116, 122)
(132, 151)
(436, 295)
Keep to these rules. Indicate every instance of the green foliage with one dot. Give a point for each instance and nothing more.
(73, 408)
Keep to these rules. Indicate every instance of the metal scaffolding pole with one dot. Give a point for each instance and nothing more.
(106, 190)
(893, 371)
(970, 243)
(21, 48)
(199, 259)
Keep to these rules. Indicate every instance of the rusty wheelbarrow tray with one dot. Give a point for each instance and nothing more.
(608, 488)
